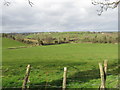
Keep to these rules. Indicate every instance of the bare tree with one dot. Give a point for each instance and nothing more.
(105, 5)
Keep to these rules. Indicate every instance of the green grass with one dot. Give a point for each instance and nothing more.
(6, 43)
(48, 62)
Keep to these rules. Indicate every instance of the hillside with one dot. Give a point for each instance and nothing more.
(6, 43)
(48, 62)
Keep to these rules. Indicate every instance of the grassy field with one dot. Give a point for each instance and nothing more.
(48, 62)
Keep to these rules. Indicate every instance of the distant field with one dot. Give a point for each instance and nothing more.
(54, 38)
(48, 61)
(11, 43)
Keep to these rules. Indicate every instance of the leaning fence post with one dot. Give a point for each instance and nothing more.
(102, 75)
(64, 78)
(105, 69)
(26, 78)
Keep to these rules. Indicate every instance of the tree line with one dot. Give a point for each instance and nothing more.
(60, 38)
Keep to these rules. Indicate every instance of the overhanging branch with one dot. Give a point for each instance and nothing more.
(104, 5)
(7, 3)
(30, 3)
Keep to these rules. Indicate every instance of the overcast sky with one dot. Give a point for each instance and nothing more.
(56, 15)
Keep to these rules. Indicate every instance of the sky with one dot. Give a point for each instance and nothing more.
(56, 16)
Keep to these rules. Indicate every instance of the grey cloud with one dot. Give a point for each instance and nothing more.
(57, 16)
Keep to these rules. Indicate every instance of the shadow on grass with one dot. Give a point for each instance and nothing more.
(79, 76)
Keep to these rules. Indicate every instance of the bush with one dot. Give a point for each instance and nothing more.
(40, 42)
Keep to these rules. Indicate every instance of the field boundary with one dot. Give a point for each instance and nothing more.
(103, 76)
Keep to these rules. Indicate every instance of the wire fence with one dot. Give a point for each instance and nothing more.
(70, 80)
(67, 78)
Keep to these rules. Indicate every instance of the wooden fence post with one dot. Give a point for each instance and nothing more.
(26, 78)
(105, 68)
(64, 78)
(102, 75)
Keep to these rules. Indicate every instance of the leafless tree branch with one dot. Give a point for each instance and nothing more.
(30, 3)
(104, 5)
(7, 3)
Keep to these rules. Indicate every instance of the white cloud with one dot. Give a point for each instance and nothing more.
(56, 15)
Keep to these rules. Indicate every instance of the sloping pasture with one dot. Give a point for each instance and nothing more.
(48, 61)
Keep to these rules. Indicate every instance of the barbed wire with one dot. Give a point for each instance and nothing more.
(45, 86)
(74, 80)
